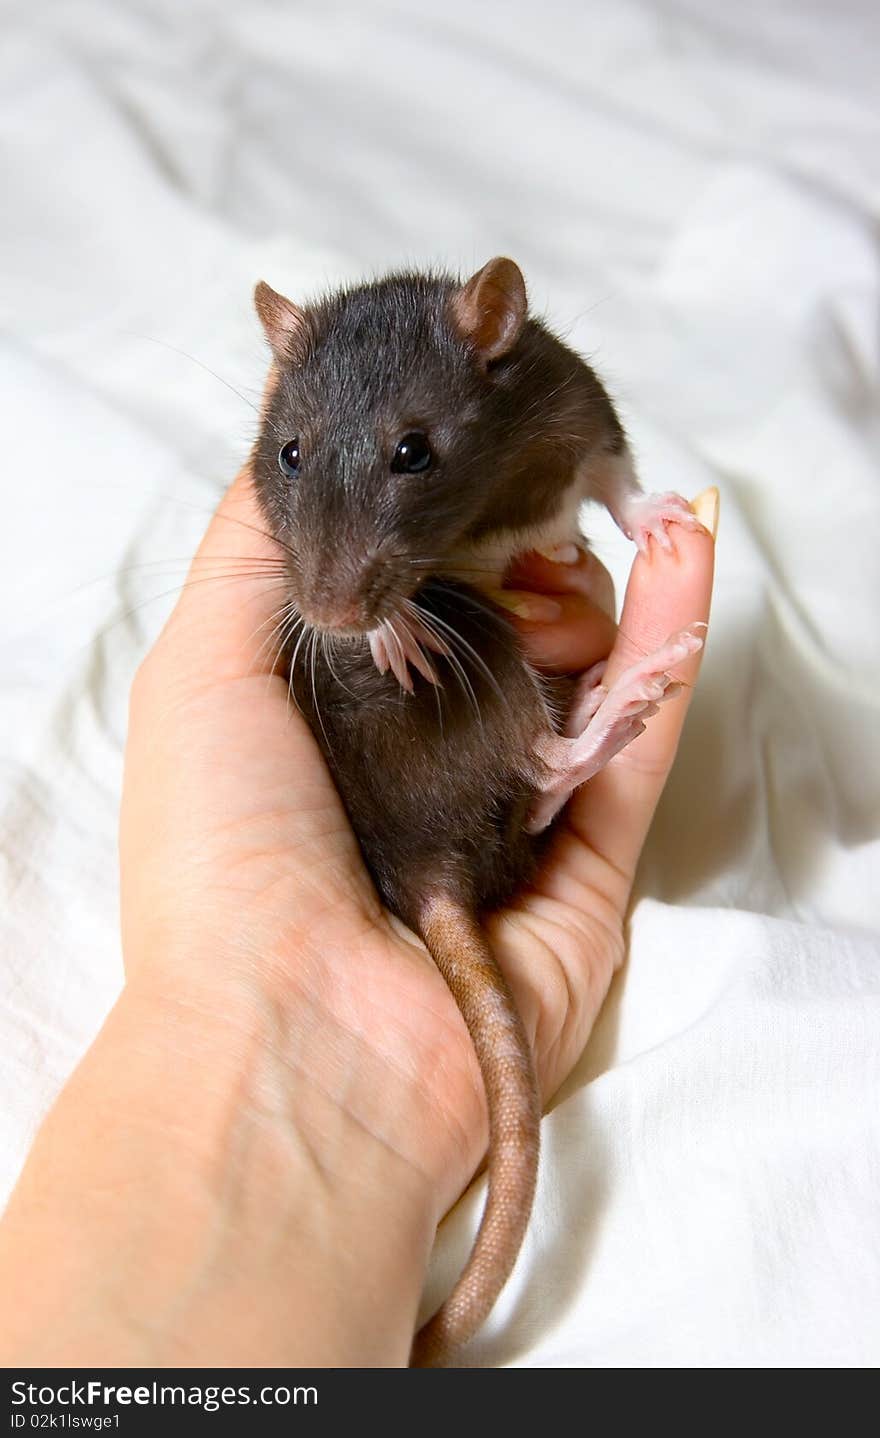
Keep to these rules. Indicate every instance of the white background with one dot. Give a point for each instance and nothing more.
(692, 190)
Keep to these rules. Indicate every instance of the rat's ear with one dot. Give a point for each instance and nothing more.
(490, 310)
(284, 323)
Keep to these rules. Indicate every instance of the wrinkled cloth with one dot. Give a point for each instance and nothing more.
(692, 190)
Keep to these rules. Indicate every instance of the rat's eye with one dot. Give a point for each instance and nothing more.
(288, 458)
(413, 454)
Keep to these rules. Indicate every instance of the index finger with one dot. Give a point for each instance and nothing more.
(667, 591)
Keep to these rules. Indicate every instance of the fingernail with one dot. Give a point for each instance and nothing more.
(706, 507)
(561, 554)
(535, 607)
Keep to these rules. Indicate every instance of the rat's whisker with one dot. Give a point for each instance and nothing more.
(416, 654)
(479, 605)
(281, 620)
(436, 684)
(153, 339)
(255, 529)
(287, 630)
(467, 651)
(199, 559)
(284, 622)
(131, 610)
(458, 669)
(330, 647)
(277, 617)
(287, 609)
(187, 562)
(440, 568)
(397, 656)
(312, 649)
(291, 692)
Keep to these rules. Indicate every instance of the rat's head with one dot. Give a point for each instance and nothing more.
(379, 447)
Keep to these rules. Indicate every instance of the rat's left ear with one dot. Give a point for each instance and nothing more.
(284, 323)
(490, 310)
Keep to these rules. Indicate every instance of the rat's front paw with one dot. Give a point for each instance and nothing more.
(645, 516)
(611, 719)
(396, 644)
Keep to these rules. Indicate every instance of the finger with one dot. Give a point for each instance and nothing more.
(667, 591)
(233, 611)
(563, 634)
(585, 575)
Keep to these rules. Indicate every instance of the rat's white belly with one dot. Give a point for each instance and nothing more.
(485, 564)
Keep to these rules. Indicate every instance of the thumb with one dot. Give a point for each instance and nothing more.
(234, 607)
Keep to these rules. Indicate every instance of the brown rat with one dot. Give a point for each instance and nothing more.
(420, 433)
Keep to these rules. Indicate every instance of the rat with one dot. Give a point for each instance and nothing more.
(419, 432)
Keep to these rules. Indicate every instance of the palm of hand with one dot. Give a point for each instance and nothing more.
(233, 831)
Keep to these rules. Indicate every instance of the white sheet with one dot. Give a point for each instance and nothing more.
(692, 189)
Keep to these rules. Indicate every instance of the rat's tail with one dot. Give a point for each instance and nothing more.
(462, 954)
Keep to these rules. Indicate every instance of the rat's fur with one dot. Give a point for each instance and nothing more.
(437, 783)
(509, 437)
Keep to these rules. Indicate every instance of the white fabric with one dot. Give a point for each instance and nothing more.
(692, 190)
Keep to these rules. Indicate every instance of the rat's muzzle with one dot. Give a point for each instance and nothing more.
(353, 594)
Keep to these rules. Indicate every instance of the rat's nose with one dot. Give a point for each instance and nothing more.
(351, 601)
(335, 614)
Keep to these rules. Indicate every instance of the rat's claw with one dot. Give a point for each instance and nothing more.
(610, 718)
(379, 650)
(561, 553)
(647, 515)
(415, 655)
(397, 661)
(396, 649)
(425, 637)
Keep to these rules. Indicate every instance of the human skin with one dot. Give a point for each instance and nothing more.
(248, 1166)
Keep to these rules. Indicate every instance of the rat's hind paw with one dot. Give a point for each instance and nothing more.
(645, 516)
(614, 717)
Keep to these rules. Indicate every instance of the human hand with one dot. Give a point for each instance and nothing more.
(240, 869)
(248, 1165)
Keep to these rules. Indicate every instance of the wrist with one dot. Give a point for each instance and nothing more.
(198, 1196)
(357, 1020)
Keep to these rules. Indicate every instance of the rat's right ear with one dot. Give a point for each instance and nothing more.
(284, 323)
(490, 310)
